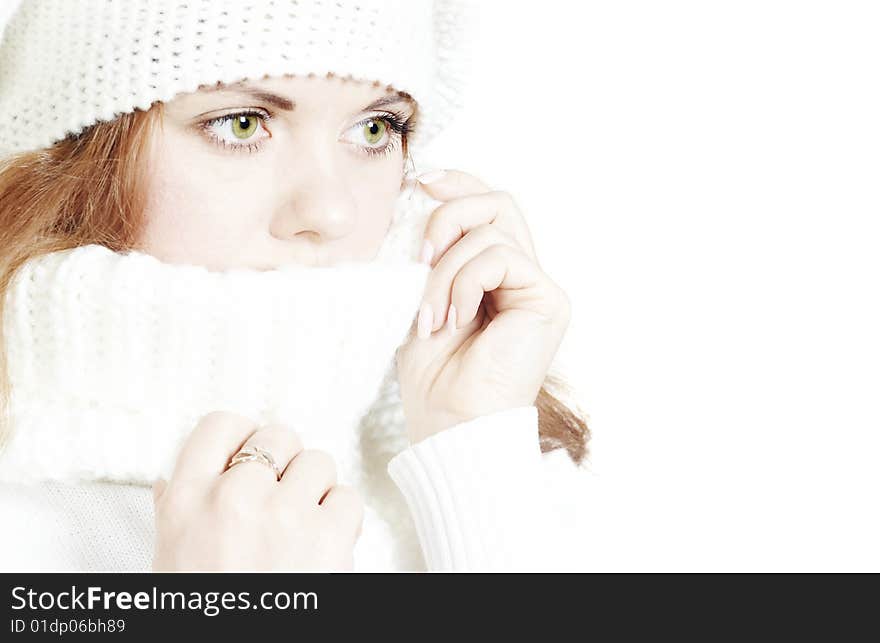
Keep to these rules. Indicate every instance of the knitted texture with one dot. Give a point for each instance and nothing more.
(114, 357)
(57, 526)
(67, 64)
(127, 352)
(475, 532)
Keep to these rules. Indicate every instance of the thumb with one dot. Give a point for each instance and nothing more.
(403, 347)
(158, 488)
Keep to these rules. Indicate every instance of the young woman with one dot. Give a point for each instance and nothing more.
(237, 334)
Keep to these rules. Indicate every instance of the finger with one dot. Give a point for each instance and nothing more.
(345, 504)
(513, 279)
(422, 358)
(450, 221)
(158, 489)
(216, 437)
(309, 476)
(280, 441)
(450, 184)
(438, 288)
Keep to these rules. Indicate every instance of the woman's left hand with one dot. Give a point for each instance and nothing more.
(510, 315)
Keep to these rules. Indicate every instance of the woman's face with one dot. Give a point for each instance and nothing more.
(281, 170)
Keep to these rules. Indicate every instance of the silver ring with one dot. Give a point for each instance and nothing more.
(255, 454)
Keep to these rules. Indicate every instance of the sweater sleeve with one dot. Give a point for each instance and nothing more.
(484, 498)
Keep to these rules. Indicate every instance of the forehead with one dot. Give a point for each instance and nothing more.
(304, 88)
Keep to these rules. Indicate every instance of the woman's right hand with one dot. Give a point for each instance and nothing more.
(211, 518)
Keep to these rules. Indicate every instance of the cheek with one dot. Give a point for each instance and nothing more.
(376, 190)
(198, 211)
(210, 210)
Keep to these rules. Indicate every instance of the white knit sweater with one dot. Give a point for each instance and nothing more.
(114, 357)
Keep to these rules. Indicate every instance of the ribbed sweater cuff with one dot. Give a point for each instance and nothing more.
(473, 491)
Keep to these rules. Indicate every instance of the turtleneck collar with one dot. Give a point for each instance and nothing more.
(114, 357)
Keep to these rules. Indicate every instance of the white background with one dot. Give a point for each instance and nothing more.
(702, 179)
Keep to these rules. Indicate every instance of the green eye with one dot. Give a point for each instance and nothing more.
(374, 130)
(244, 126)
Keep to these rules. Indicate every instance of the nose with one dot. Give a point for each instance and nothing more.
(318, 204)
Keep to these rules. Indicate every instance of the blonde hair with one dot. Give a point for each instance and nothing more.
(91, 189)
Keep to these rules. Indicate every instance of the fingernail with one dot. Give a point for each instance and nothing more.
(426, 321)
(427, 252)
(430, 177)
(452, 319)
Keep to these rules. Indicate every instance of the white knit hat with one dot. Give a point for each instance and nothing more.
(67, 64)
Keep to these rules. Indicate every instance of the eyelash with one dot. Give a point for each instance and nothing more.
(397, 122)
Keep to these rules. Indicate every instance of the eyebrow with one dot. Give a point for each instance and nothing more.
(288, 105)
